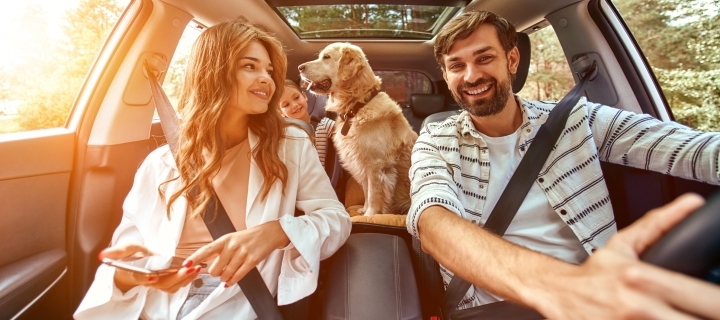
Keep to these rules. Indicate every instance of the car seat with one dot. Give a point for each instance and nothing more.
(421, 106)
(316, 106)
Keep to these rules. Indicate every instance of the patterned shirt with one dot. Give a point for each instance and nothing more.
(323, 134)
(450, 165)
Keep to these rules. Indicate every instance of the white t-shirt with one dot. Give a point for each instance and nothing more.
(536, 225)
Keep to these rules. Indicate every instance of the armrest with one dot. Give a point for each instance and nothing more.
(23, 281)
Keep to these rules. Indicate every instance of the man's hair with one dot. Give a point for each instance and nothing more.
(462, 26)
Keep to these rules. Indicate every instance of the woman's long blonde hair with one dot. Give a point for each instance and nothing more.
(209, 79)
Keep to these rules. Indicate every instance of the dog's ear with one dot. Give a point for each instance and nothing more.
(350, 64)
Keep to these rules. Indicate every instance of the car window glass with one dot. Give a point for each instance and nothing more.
(681, 41)
(174, 79)
(47, 49)
(399, 85)
(549, 77)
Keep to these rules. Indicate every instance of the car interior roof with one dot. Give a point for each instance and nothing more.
(402, 54)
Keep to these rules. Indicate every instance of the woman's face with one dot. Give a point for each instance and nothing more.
(293, 104)
(255, 86)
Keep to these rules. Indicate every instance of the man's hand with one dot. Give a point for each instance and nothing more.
(239, 252)
(126, 280)
(614, 284)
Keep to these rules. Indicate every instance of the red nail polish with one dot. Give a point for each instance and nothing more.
(187, 263)
(226, 286)
(152, 279)
(100, 256)
(198, 268)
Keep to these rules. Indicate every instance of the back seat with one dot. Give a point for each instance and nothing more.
(316, 105)
(421, 106)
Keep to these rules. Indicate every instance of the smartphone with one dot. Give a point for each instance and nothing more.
(149, 265)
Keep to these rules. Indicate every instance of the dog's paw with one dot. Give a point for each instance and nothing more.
(361, 210)
(369, 212)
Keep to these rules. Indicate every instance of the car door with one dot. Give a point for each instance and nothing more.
(42, 163)
(658, 49)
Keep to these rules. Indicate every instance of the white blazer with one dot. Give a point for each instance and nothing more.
(291, 273)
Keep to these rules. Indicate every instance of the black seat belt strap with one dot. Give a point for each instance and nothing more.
(255, 289)
(252, 284)
(517, 189)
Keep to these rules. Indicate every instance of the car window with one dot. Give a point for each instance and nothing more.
(47, 49)
(174, 79)
(549, 77)
(399, 85)
(681, 41)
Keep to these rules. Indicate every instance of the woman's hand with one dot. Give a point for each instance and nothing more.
(126, 280)
(239, 252)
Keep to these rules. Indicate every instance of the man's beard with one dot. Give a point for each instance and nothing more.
(487, 106)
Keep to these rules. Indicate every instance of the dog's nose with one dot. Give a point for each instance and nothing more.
(301, 67)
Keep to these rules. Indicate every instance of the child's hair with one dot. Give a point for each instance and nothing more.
(292, 84)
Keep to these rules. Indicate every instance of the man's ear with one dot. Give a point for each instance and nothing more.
(350, 64)
(513, 57)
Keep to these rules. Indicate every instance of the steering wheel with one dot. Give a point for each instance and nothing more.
(691, 247)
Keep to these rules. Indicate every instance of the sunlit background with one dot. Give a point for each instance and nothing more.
(47, 46)
(25, 20)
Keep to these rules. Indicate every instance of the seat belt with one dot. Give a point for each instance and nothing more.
(508, 205)
(252, 283)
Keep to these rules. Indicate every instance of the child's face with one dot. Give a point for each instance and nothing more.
(293, 104)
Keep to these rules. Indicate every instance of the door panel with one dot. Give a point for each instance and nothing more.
(634, 192)
(107, 176)
(28, 279)
(34, 183)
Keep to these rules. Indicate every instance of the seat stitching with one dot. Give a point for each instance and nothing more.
(347, 283)
(398, 300)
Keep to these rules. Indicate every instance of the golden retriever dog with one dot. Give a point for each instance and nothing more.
(373, 138)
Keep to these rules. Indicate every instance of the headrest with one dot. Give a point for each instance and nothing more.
(316, 104)
(423, 105)
(440, 116)
(524, 65)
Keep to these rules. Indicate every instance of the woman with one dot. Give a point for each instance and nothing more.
(233, 143)
(294, 104)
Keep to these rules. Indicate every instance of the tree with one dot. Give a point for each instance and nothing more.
(549, 77)
(680, 40)
(48, 96)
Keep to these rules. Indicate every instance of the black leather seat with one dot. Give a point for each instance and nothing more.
(371, 277)
(421, 106)
(517, 85)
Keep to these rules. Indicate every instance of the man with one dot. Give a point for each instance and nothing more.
(561, 255)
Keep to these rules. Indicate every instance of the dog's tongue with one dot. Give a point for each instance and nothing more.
(324, 85)
(305, 83)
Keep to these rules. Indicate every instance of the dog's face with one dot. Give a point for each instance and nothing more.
(337, 64)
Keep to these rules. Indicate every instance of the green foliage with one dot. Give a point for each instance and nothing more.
(549, 77)
(51, 77)
(693, 95)
(363, 20)
(175, 76)
(681, 40)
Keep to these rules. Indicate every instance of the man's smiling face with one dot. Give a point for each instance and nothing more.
(479, 72)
